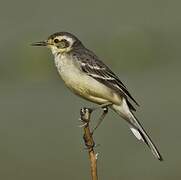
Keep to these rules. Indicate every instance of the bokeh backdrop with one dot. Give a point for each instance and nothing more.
(39, 137)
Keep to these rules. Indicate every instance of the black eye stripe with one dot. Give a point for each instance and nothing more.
(65, 42)
(61, 43)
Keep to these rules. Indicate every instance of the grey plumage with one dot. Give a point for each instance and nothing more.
(95, 68)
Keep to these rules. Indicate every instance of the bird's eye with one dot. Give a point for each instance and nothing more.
(56, 40)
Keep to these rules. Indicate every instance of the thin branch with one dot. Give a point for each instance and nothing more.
(89, 142)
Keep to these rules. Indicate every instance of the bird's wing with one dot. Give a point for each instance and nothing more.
(99, 71)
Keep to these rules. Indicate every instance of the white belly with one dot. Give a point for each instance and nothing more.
(84, 85)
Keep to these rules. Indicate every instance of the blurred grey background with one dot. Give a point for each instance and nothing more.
(39, 137)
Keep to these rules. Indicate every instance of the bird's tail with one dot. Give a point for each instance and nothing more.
(136, 128)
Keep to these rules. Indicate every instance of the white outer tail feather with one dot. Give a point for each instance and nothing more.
(136, 128)
(136, 133)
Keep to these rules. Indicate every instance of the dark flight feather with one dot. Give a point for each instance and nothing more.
(98, 70)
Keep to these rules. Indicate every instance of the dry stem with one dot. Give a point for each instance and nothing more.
(89, 142)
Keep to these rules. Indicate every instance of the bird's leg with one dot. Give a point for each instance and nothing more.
(104, 113)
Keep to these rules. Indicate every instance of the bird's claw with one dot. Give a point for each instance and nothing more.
(82, 125)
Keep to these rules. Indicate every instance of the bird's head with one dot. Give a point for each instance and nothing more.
(60, 42)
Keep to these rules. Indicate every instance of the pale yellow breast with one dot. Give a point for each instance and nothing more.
(83, 85)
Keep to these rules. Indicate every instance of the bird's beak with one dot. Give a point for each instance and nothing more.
(41, 43)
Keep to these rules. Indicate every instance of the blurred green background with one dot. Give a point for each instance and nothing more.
(139, 40)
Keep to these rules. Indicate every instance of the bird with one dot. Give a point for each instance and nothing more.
(88, 77)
